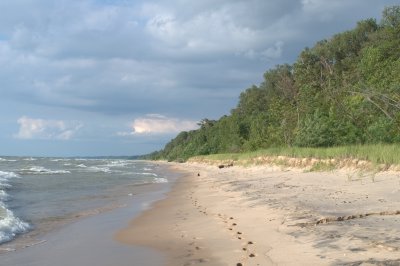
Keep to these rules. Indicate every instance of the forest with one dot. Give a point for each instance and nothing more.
(343, 91)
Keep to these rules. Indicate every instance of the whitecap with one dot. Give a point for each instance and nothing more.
(4, 177)
(99, 169)
(41, 170)
(7, 160)
(118, 163)
(30, 159)
(8, 175)
(160, 180)
(60, 160)
(3, 195)
(10, 225)
(146, 174)
(81, 165)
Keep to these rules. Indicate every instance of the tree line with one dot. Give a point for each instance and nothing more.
(344, 90)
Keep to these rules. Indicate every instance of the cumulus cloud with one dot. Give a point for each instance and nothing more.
(31, 128)
(220, 30)
(112, 59)
(158, 124)
(114, 56)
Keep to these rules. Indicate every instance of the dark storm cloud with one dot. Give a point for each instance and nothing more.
(184, 59)
(92, 54)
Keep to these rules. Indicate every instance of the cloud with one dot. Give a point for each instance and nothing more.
(207, 32)
(105, 61)
(158, 124)
(120, 57)
(30, 128)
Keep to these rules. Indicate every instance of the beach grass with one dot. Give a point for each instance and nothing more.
(388, 154)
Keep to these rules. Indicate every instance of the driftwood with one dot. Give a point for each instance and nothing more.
(225, 165)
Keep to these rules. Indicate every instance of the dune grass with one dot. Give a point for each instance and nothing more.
(376, 153)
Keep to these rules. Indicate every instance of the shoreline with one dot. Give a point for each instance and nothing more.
(263, 215)
(158, 229)
(88, 240)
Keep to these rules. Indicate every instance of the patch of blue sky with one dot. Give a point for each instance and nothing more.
(3, 37)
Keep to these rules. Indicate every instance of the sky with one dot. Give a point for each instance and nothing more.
(123, 77)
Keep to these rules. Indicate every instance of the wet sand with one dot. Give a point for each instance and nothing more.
(265, 215)
(89, 241)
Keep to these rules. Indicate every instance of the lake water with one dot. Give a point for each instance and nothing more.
(38, 195)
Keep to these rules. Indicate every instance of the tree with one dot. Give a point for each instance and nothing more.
(391, 17)
(343, 90)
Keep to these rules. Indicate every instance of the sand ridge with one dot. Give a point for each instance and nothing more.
(264, 215)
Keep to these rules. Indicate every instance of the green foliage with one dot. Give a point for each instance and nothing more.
(376, 153)
(343, 91)
(391, 17)
(316, 131)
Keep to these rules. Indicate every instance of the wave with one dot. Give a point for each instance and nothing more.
(60, 160)
(4, 185)
(160, 180)
(30, 159)
(4, 177)
(148, 174)
(99, 169)
(118, 163)
(10, 225)
(3, 195)
(81, 165)
(38, 170)
(7, 160)
(8, 175)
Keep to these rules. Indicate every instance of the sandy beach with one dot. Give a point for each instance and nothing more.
(263, 215)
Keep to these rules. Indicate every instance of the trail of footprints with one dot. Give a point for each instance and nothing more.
(231, 225)
(248, 245)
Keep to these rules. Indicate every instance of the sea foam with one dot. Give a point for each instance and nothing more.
(160, 180)
(7, 175)
(7, 160)
(38, 170)
(4, 177)
(10, 225)
(99, 169)
(146, 174)
(118, 163)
